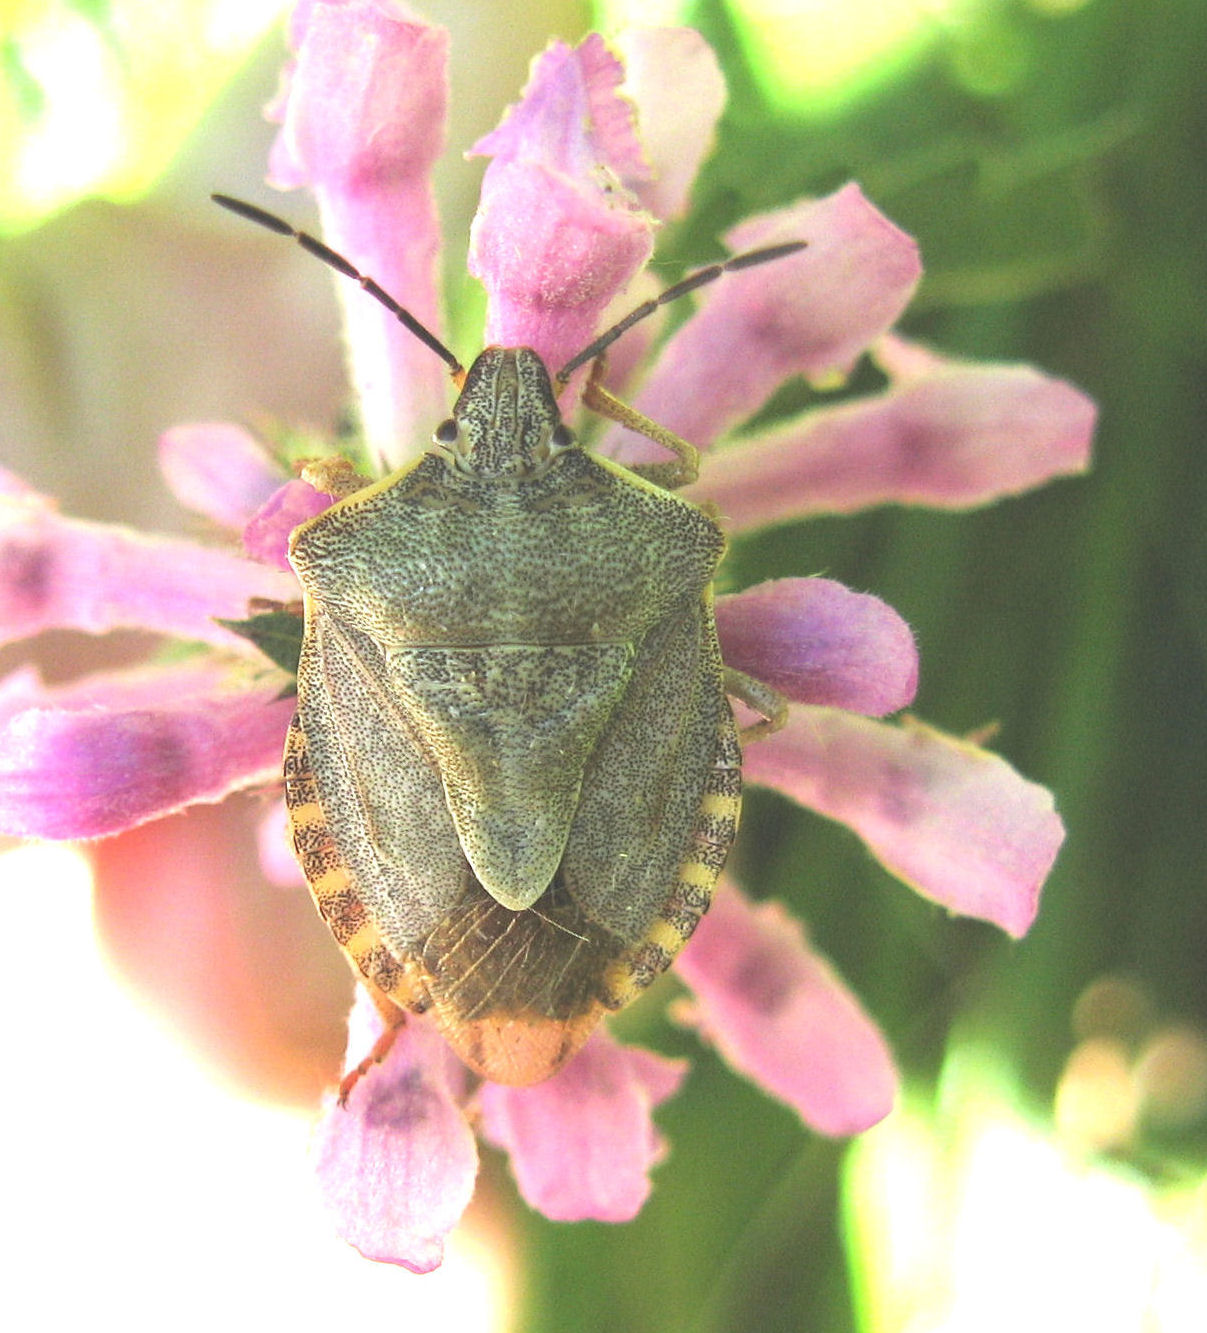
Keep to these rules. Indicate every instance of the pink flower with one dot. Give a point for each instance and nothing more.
(582, 170)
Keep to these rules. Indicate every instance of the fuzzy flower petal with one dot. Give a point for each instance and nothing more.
(955, 822)
(61, 573)
(219, 470)
(557, 235)
(673, 76)
(811, 314)
(957, 436)
(363, 124)
(266, 537)
(570, 117)
(582, 1143)
(397, 1165)
(820, 643)
(778, 1013)
(109, 752)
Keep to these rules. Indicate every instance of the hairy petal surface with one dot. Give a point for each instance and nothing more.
(397, 1165)
(557, 234)
(820, 643)
(810, 314)
(109, 752)
(955, 822)
(62, 573)
(957, 436)
(219, 470)
(582, 1143)
(570, 117)
(362, 123)
(673, 76)
(779, 1014)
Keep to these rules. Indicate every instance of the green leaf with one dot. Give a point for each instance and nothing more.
(277, 634)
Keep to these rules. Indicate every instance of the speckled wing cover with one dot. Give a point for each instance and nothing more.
(513, 775)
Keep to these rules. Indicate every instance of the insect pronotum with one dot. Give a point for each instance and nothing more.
(513, 775)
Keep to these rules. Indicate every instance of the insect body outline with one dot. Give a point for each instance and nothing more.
(513, 776)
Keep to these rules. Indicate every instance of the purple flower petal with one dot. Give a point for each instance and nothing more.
(627, 356)
(556, 235)
(960, 435)
(811, 314)
(955, 822)
(778, 1013)
(266, 537)
(61, 573)
(18, 690)
(219, 470)
(273, 844)
(820, 643)
(397, 1165)
(582, 1143)
(570, 117)
(110, 752)
(673, 77)
(363, 124)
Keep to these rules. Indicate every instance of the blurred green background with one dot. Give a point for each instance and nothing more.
(1051, 159)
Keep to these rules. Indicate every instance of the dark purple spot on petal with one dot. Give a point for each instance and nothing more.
(26, 575)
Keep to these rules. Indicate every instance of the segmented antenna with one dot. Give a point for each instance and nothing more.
(336, 261)
(689, 284)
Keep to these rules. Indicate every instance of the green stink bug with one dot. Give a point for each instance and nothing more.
(513, 776)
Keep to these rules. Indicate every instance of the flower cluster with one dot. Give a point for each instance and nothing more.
(582, 170)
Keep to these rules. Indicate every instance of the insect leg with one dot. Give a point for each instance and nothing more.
(686, 467)
(762, 698)
(393, 1017)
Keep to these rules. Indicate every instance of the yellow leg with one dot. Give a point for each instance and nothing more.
(762, 698)
(682, 472)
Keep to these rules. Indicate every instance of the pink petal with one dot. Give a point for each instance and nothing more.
(60, 573)
(903, 359)
(266, 537)
(19, 690)
(556, 236)
(15, 487)
(820, 643)
(363, 124)
(582, 1143)
(570, 117)
(777, 1012)
(102, 755)
(397, 1165)
(275, 849)
(627, 356)
(955, 822)
(219, 470)
(674, 78)
(958, 436)
(811, 314)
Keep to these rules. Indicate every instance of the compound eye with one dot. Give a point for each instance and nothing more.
(447, 431)
(562, 437)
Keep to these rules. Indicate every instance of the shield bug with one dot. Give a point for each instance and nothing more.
(513, 776)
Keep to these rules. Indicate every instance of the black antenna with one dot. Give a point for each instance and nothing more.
(273, 223)
(689, 284)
